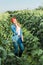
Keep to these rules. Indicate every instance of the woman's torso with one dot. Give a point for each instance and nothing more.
(16, 32)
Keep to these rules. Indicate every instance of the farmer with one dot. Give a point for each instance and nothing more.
(17, 37)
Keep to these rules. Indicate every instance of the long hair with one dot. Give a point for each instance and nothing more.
(18, 23)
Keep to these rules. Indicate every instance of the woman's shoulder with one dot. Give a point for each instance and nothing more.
(13, 26)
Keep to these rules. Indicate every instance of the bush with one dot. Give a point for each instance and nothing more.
(32, 27)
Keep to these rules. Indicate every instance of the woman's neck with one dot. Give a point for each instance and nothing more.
(16, 25)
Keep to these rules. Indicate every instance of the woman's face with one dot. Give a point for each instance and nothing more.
(15, 22)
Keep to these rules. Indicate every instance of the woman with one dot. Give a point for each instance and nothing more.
(17, 37)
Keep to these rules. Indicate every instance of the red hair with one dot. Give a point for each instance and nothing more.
(13, 19)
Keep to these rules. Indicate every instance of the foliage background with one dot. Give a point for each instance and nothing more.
(32, 27)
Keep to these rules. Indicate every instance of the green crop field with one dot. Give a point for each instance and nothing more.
(32, 26)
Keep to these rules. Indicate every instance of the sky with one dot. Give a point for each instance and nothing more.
(12, 5)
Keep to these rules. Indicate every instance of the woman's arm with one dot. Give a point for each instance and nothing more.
(13, 28)
(22, 38)
(21, 33)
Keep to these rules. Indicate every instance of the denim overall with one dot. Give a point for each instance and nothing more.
(17, 41)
